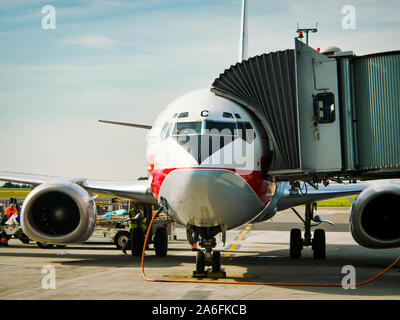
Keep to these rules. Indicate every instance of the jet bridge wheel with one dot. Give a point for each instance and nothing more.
(296, 243)
(161, 242)
(319, 244)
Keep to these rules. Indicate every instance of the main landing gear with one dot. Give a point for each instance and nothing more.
(208, 257)
(317, 243)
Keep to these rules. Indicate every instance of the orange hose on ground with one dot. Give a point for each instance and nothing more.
(253, 283)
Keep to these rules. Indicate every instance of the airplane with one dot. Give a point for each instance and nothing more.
(207, 165)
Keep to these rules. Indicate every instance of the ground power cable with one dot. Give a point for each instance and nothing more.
(283, 284)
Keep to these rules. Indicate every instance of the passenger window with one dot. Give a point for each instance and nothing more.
(324, 107)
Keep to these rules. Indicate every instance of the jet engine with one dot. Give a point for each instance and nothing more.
(59, 213)
(375, 216)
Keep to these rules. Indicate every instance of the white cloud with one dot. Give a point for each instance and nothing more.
(90, 41)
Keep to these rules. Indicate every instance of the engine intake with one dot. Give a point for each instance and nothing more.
(375, 216)
(59, 213)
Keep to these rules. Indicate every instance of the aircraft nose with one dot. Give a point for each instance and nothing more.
(210, 197)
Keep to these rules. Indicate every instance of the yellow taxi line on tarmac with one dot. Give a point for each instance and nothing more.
(236, 246)
(233, 247)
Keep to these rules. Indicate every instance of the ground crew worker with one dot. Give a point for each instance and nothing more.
(195, 239)
(11, 209)
(139, 222)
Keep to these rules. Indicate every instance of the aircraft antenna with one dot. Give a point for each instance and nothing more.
(243, 33)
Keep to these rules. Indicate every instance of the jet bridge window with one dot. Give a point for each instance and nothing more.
(187, 128)
(222, 128)
(324, 107)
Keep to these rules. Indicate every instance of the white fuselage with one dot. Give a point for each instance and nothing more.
(207, 161)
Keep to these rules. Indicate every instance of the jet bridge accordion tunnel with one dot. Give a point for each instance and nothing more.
(326, 115)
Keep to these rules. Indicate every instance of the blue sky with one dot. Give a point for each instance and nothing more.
(126, 60)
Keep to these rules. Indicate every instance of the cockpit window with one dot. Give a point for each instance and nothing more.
(246, 131)
(227, 115)
(221, 128)
(166, 130)
(183, 115)
(185, 128)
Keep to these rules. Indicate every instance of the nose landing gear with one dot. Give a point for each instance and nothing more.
(208, 257)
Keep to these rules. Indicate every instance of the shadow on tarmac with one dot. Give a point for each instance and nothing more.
(269, 266)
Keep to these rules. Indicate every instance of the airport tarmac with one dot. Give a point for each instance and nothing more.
(252, 253)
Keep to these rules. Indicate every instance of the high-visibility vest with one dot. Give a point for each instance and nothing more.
(9, 212)
(134, 224)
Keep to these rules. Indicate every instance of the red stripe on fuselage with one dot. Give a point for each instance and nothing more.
(264, 189)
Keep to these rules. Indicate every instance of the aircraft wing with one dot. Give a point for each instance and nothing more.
(134, 189)
(284, 199)
(309, 194)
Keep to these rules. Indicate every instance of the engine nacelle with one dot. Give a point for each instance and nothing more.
(59, 213)
(375, 216)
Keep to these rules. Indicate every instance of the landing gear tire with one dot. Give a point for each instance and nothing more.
(45, 245)
(216, 261)
(200, 262)
(319, 245)
(296, 243)
(161, 242)
(137, 241)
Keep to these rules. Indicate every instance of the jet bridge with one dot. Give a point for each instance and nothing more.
(327, 116)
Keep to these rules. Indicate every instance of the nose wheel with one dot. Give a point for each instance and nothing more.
(200, 263)
(208, 257)
(216, 261)
(317, 243)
